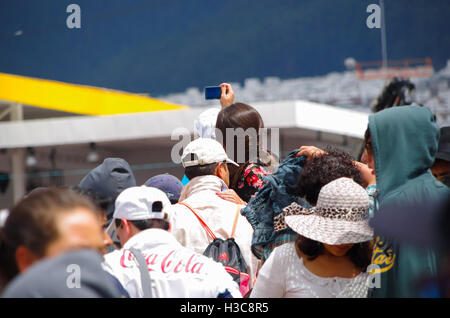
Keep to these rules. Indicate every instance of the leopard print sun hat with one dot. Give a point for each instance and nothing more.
(341, 215)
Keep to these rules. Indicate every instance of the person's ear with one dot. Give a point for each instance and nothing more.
(217, 170)
(220, 170)
(225, 167)
(126, 226)
(24, 258)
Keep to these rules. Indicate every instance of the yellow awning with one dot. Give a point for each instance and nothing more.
(77, 99)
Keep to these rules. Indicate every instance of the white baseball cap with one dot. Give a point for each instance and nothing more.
(141, 203)
(203, 151)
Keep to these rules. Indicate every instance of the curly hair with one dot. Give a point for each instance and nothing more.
(321, 170)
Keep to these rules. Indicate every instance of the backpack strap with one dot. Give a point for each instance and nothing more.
(205, 226)
(146, 280)
(236, 218)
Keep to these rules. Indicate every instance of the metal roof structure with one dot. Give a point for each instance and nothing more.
(85, 129)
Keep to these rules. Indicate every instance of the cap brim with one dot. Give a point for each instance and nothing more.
(232, 162)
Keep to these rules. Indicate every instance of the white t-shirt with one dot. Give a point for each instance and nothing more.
(175, 271)
(284, 275)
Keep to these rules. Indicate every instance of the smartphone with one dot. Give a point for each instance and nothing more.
(213, 92)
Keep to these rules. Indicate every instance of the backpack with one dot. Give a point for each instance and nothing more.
(226, 252)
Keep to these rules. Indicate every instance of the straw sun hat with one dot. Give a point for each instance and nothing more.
(340, 216)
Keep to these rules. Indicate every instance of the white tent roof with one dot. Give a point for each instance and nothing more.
(85, 129)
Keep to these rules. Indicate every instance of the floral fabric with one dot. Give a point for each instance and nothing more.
(251, 181)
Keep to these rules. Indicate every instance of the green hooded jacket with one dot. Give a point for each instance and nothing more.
(404, 142)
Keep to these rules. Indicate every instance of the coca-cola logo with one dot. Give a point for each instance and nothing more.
(171, 262)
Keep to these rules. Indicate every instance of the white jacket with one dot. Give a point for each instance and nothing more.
(175, 271)
(218, 214)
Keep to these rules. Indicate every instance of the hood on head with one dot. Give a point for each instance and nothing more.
(404, 141)
(109, 179)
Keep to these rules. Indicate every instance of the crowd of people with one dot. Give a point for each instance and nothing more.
(317, 224)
